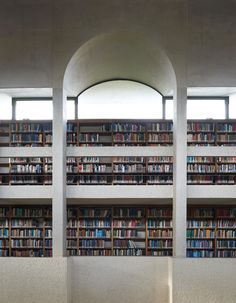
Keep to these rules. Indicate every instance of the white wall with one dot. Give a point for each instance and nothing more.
(33, 280)
(204, 280)
(119, 279)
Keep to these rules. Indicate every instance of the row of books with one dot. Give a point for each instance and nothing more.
(212, 180)
(30, 127)
(206, 212)
(74, 126)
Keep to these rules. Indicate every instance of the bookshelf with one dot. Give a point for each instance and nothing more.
(26, 231)
(201, 132)
(89, 231)
(226, 232)
(119, 133)
(160, 232)
(120, 170)
(4, 232)
(26, 171)
(29, 133)
(4, 133)
(26, 133)
(211, 170)
(211, 132)
(119, 231)
(211, 232)
(201, 232)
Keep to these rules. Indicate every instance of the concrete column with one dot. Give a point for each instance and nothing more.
(59, 173)
(180, 172)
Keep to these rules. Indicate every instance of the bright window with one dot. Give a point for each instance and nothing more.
(120, 100)
(41, 110)
(169, 109)
(34, 110)
(5, 107)
(232, 106)
(206, 109)
(201, 109)
(70, 111)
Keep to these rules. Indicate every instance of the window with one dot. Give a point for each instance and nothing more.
(5, 107)
(41, 110)
(120, 100)
(206, 109)
(34, 110)
(70, 110)
(232, 106)
(169, 109)
(201, 108)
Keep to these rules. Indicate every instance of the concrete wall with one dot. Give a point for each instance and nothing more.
(33, 280)
(204, 280)
(119, 279)
(39, 37)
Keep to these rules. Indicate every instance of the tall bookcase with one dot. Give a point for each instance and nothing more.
(26, 231)
(119, 231)
(211, 231)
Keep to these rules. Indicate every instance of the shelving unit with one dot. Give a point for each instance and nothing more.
(119, 170)
(26, 231)
(119, 133)
(26, 133)
(211, 232)
(211, 132)
(160, 232)
(211, 170)
(26, 171)
(89, 231)
(119, 231)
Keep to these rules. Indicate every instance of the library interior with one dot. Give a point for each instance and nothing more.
(118, 151)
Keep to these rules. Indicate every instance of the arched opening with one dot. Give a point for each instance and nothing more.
(120, 99)
(119, 55)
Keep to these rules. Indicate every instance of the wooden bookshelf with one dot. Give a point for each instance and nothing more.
(211, 170)
(26, 133)
(211, 232)
(159, 231)
(26, 231)
(89, 231)
(119, 132)
(119, 170)
(119, 231)
(26, 171)
(211, 132)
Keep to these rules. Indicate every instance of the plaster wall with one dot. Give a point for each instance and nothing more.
(38, 280)
(119, 279)
(203, 280)
(38, 38)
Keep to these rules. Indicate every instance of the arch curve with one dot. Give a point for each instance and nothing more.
(119, 55)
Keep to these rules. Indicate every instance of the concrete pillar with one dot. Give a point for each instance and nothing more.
(59, 173)
(180, 172)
